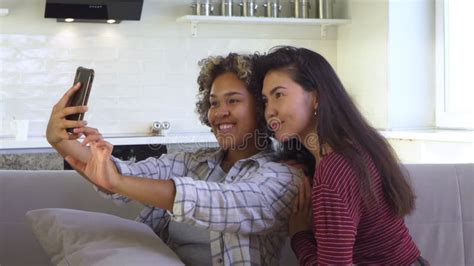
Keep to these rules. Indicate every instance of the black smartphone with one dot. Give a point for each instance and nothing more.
(85, 76)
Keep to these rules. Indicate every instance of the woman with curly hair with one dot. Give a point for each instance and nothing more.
(229, 205)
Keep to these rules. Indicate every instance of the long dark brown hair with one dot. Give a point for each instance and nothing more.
(340, 125)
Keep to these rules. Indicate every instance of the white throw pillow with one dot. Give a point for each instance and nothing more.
(74, 237)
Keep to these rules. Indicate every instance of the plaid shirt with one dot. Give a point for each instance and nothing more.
(246, 214)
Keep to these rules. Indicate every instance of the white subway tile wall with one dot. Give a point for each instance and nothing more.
(145, 71)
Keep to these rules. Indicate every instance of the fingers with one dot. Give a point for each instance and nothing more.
(296, 204)
(107, 146)
(302, 202)
(299, 166)
(301, 196)
(91, 139)
(68, 124)
(307, 195)
(67, 136)
(73, 136)
(101, 150)
(92, 135)
(294, 164)
(289, 162)
(65, 99)
(73, 110)
(58, 119)
(73, 124)
(88, 131)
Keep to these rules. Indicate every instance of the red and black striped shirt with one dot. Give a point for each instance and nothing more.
(345, 230)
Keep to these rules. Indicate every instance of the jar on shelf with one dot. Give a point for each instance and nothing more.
(301, 8)
(226, 8)
(272, 8)
(248, 8)
(203, 8)
(324, 9)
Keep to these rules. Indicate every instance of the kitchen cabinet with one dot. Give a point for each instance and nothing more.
(196, 20)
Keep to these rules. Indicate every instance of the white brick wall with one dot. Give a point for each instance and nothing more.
(145, 71)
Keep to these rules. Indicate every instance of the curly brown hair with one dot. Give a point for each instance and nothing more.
(244, 67)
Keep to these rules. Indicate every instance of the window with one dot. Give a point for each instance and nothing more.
(454, 64)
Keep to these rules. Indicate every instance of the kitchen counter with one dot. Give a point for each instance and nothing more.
(189, 138)
(7, 145)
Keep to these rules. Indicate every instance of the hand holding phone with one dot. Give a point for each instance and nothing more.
(85, 76)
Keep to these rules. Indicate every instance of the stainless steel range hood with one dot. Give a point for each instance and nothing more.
(93, 10)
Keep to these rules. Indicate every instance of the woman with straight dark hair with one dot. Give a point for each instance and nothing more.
(359, 193)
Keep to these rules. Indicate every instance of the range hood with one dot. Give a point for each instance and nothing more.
(93, 10)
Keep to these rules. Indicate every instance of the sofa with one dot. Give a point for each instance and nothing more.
(442, 224)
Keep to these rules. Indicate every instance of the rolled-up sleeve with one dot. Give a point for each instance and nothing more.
(257, 202)
(153, 168)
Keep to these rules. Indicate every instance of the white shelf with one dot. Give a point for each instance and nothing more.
(195, 20)
(260, 20)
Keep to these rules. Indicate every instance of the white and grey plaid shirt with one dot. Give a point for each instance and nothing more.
(247, 214)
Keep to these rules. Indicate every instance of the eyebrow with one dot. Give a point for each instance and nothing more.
(275, 89)
(228, 94)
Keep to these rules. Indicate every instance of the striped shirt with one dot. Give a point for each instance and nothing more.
(247, 213)
(346, 232)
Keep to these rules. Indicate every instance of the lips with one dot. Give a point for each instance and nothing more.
(275, 124)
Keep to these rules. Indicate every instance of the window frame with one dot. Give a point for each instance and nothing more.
(444, 117)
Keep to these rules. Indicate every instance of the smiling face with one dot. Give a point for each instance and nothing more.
(289, 109)
(232, 113)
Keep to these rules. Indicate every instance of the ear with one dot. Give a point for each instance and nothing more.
(315, 100)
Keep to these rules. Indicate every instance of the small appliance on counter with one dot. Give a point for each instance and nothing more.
(160, 128)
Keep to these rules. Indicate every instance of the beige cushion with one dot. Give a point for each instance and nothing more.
(74, 237)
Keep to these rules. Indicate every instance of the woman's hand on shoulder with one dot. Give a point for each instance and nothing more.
(295, 164)
(301, 215)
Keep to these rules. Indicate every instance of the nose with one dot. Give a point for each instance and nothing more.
(222, 111)
(269, 112)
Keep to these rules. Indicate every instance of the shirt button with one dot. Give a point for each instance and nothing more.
(219, 261)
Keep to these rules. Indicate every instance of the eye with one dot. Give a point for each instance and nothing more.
(278, 95)
(213, 103)
(231, 101)
(265, 100)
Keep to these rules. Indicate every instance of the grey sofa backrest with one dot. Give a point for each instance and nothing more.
(442, 225)
(443, 222)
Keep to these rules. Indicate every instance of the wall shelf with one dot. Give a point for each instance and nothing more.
(324, 23)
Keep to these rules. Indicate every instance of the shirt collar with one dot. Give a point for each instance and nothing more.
(214, 157)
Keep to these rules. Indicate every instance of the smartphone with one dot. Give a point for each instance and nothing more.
(85, 76)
